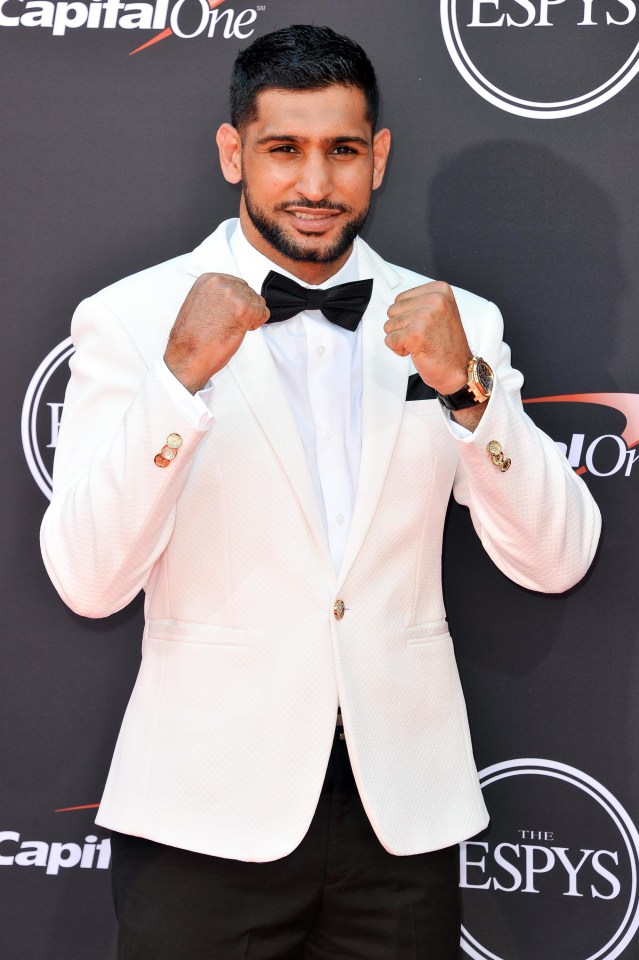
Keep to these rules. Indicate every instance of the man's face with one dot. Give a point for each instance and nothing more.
(308, 164)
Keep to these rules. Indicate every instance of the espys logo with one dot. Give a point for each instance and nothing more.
(543, 58)
(41, 413)
(90, 853)
(601, 455)
(561, 853)
(183, 18)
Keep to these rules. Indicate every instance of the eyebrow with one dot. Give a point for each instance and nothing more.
(326, 141)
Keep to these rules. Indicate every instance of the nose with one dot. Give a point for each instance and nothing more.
(314, 179)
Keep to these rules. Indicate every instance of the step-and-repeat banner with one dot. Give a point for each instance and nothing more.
(514, 173)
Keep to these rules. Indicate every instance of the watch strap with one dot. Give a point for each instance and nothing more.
(460, 400)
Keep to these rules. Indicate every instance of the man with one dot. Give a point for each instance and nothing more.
(276, 479)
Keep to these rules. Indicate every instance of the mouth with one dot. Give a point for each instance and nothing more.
(311, 216)
(312, 221)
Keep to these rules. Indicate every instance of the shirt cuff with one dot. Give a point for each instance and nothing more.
(458, 432)
(193, 407)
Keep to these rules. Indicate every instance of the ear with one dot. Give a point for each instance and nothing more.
(229, 144)
(381, 149)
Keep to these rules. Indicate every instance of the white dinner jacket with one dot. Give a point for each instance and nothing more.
(225, 742)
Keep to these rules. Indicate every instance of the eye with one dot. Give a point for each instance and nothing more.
(343, 150)
(283, 148)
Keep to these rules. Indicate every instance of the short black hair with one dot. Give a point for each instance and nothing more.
(300, 57)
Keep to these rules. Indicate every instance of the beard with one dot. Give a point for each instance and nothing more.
(276, 236)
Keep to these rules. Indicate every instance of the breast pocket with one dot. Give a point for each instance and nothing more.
(422, 408)
(417, 390)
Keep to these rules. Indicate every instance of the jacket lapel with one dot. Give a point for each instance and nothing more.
(256, 375)
(385, 376)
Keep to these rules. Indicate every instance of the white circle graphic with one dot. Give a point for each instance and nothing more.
(576, 778)
(528, 108)
(36, 388)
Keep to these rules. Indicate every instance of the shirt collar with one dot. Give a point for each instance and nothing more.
(253, 266)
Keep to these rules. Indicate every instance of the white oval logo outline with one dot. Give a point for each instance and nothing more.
(28, 423)
(528, 108)
(617, 813)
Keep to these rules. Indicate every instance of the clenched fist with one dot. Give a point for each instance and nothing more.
(213, 320)
(425, 322)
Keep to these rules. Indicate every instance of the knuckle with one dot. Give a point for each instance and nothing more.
(404, 299)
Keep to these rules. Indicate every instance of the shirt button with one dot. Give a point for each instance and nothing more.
(338, 609)
(340, 518)
(321, 351)
(326, 433)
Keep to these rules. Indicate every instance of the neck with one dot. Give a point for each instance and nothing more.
(305, 270)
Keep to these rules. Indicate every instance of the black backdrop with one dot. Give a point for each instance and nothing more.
(109, 165)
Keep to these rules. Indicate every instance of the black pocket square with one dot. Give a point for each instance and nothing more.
(418, 390)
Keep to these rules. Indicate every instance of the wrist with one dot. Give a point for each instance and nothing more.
(191, 379)
(475, 391)
(469, 417)
(455, 381)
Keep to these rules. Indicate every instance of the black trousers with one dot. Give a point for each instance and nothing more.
(338, 896)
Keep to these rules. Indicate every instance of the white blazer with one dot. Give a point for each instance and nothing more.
(225, 742)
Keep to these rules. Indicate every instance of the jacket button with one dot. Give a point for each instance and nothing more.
(338, 609)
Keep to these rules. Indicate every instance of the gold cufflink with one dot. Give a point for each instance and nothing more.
(496, 455)
(169, 451)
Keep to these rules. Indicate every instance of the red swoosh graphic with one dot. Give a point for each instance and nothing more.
(626, 403)
(85, 806)
(168, 32)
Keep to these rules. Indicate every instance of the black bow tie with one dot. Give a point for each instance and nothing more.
(343, 304)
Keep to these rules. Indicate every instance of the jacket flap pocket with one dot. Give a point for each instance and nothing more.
(426, 632)
(190, 632)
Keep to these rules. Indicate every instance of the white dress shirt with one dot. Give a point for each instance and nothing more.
(320, 368)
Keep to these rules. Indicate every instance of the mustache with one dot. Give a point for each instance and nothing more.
(313, 205)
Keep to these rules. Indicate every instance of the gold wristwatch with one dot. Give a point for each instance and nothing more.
(477, 390)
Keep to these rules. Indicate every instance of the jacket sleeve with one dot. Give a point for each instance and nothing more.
(112, 509)
(538, 520)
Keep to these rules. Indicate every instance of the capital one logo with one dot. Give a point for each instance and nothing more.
(556, 873)
(91, 852)
(179, 18)
(606, 454)
(543, 58)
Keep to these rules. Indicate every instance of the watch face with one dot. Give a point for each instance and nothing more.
(484, 376)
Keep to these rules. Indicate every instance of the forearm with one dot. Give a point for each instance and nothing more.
(112, 509)
(537, 520)
(470, 417)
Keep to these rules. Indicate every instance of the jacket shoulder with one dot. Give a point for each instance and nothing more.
(465, 298)
(481, 319)
(401, 278)
(152, 282)
(136, 312)
(166, 284)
